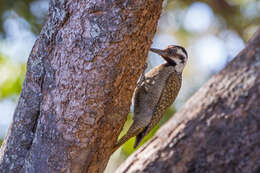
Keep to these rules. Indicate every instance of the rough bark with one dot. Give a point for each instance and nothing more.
(217, 130)
(80, 78)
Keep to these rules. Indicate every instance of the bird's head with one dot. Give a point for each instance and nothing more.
(174, 55)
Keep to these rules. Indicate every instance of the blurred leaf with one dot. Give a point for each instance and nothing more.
(12, 76)
(126, 125)
(22, 8)
(231, 11)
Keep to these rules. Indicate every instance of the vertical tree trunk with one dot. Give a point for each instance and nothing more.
(217, 130)
(80, 78)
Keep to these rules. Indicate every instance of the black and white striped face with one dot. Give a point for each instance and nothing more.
(174, 55)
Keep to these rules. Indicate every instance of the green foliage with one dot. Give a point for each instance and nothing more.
(1, 142)
(128, 147)
(12, 76)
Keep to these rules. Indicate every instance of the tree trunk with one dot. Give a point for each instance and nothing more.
(217, 130)
(80, 78)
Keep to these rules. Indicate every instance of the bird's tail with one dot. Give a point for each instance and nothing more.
(139, 137)
(133, 131)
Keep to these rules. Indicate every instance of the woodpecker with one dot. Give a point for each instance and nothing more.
(155, 93)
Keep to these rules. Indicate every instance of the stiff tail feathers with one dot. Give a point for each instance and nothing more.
(140, 137)
(131, 133)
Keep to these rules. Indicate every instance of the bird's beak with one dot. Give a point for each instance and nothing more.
(159, 51)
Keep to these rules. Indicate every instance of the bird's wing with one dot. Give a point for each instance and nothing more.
(166, 99)
(147, 95)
